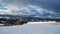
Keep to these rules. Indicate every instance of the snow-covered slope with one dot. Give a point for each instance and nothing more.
(52, 28)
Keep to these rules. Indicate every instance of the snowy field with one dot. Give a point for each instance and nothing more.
(32, 28)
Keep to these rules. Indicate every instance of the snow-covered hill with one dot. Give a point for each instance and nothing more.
(43, 28)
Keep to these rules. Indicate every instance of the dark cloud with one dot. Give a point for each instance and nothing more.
(49, 5)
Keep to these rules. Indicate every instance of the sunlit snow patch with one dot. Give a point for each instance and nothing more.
(41, 22)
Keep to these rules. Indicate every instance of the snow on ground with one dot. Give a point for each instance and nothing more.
(41, 22)
(40, 28)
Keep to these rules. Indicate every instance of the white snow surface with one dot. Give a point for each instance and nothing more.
(41, 22)
(36, 28)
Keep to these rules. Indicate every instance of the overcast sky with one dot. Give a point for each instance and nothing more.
(31, 7)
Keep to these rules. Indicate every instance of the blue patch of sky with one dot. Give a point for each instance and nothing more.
(3, 8)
